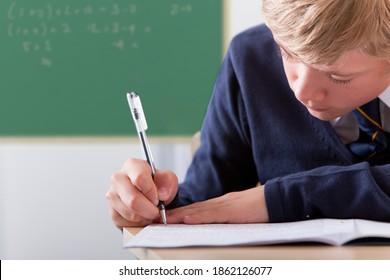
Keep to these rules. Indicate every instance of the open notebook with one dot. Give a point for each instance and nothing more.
(329, 231)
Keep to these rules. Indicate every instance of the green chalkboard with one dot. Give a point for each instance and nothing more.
(66, 65)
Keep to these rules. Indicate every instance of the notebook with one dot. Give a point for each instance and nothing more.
(335, 232)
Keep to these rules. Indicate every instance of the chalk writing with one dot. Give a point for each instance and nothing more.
(37, 27)
(46, 62)
(30, 46)
(177, 9)
(41, 29)
(48, 11)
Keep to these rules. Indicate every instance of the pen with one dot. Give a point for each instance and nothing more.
(140, 123)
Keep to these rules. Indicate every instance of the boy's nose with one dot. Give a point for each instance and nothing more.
(306, 86)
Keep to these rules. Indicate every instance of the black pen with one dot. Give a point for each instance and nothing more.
(140, 123)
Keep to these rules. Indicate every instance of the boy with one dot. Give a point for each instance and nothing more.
(281, 140)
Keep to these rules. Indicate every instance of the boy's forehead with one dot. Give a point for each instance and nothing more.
(349, 63)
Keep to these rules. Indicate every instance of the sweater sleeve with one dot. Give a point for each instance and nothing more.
(225, 145)
(354, 191)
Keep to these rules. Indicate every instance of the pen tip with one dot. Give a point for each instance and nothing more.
(164, 218)
(163, 214)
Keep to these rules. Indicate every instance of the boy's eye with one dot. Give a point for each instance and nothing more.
(339, 81)
(334, 79)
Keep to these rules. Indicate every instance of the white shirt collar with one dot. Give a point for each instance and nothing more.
(346, 126)
(385, 96)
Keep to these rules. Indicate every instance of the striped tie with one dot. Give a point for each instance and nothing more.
(373, 143)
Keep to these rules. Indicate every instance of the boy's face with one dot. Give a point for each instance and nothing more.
(329, 92)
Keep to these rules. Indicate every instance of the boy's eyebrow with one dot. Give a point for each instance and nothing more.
(324, 71)
(327, 72)
(338, 74)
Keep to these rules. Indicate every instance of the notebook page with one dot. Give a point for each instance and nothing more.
(180, 235)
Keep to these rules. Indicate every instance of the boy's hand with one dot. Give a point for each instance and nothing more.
(237, 207)
(133, 195)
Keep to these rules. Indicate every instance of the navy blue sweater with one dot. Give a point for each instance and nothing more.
(256, 131)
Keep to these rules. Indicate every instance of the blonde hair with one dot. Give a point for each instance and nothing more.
(319, 31)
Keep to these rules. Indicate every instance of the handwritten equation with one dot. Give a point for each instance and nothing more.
(37, 27)
(16, 11)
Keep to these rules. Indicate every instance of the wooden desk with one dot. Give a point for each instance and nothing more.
(269, 252)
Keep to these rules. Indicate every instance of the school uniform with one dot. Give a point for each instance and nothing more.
(255, 130)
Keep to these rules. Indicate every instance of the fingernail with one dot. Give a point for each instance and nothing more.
(162, 191)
